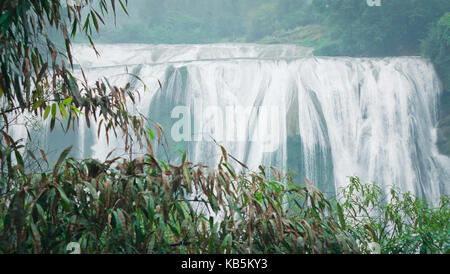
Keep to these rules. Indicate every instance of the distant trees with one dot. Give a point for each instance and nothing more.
(182, 21)
(262, 21)
(293, 13)
(437, 47)
(394, 28)
(352, 27)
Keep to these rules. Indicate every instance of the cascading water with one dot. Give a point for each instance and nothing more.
(324, 118)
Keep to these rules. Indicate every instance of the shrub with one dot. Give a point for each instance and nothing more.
(399, 222)
(146, 207)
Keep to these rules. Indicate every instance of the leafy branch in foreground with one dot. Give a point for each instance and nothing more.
(35, 79)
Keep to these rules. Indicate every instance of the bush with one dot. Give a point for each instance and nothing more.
(147, 206)
(437, 47)
(399, 223)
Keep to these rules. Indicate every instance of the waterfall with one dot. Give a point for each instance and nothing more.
(324, 118)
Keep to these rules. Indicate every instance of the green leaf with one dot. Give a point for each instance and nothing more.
(94, 20)
(92, 190)
(37, 104)
(187, 175)
(183, 158)
(69, 53)
(120, 220)
(150, 132)
(227, 241)
(75, 109)
(151, 207)
(54, 110)
(123, 7)
(74, 28)
(52, 123)
(19, 158)
(4, 17)
(67, 101)
(86, 23)
(164, 164)
(36, 235)
(18, 90)
(62, 110)
(174, 229)
(17, 210)
(65, 200)
(46, 112)
(61, 159)
(40, 210)
(341, 216)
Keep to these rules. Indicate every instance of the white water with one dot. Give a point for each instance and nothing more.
(374, 118)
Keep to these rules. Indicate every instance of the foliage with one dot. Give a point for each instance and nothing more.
(35, 79)
(437, 47)
(399, 223)
(36, 82)
(147, 208)
(262, 21)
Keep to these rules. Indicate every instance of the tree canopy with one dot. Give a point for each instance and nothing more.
(394, 28)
